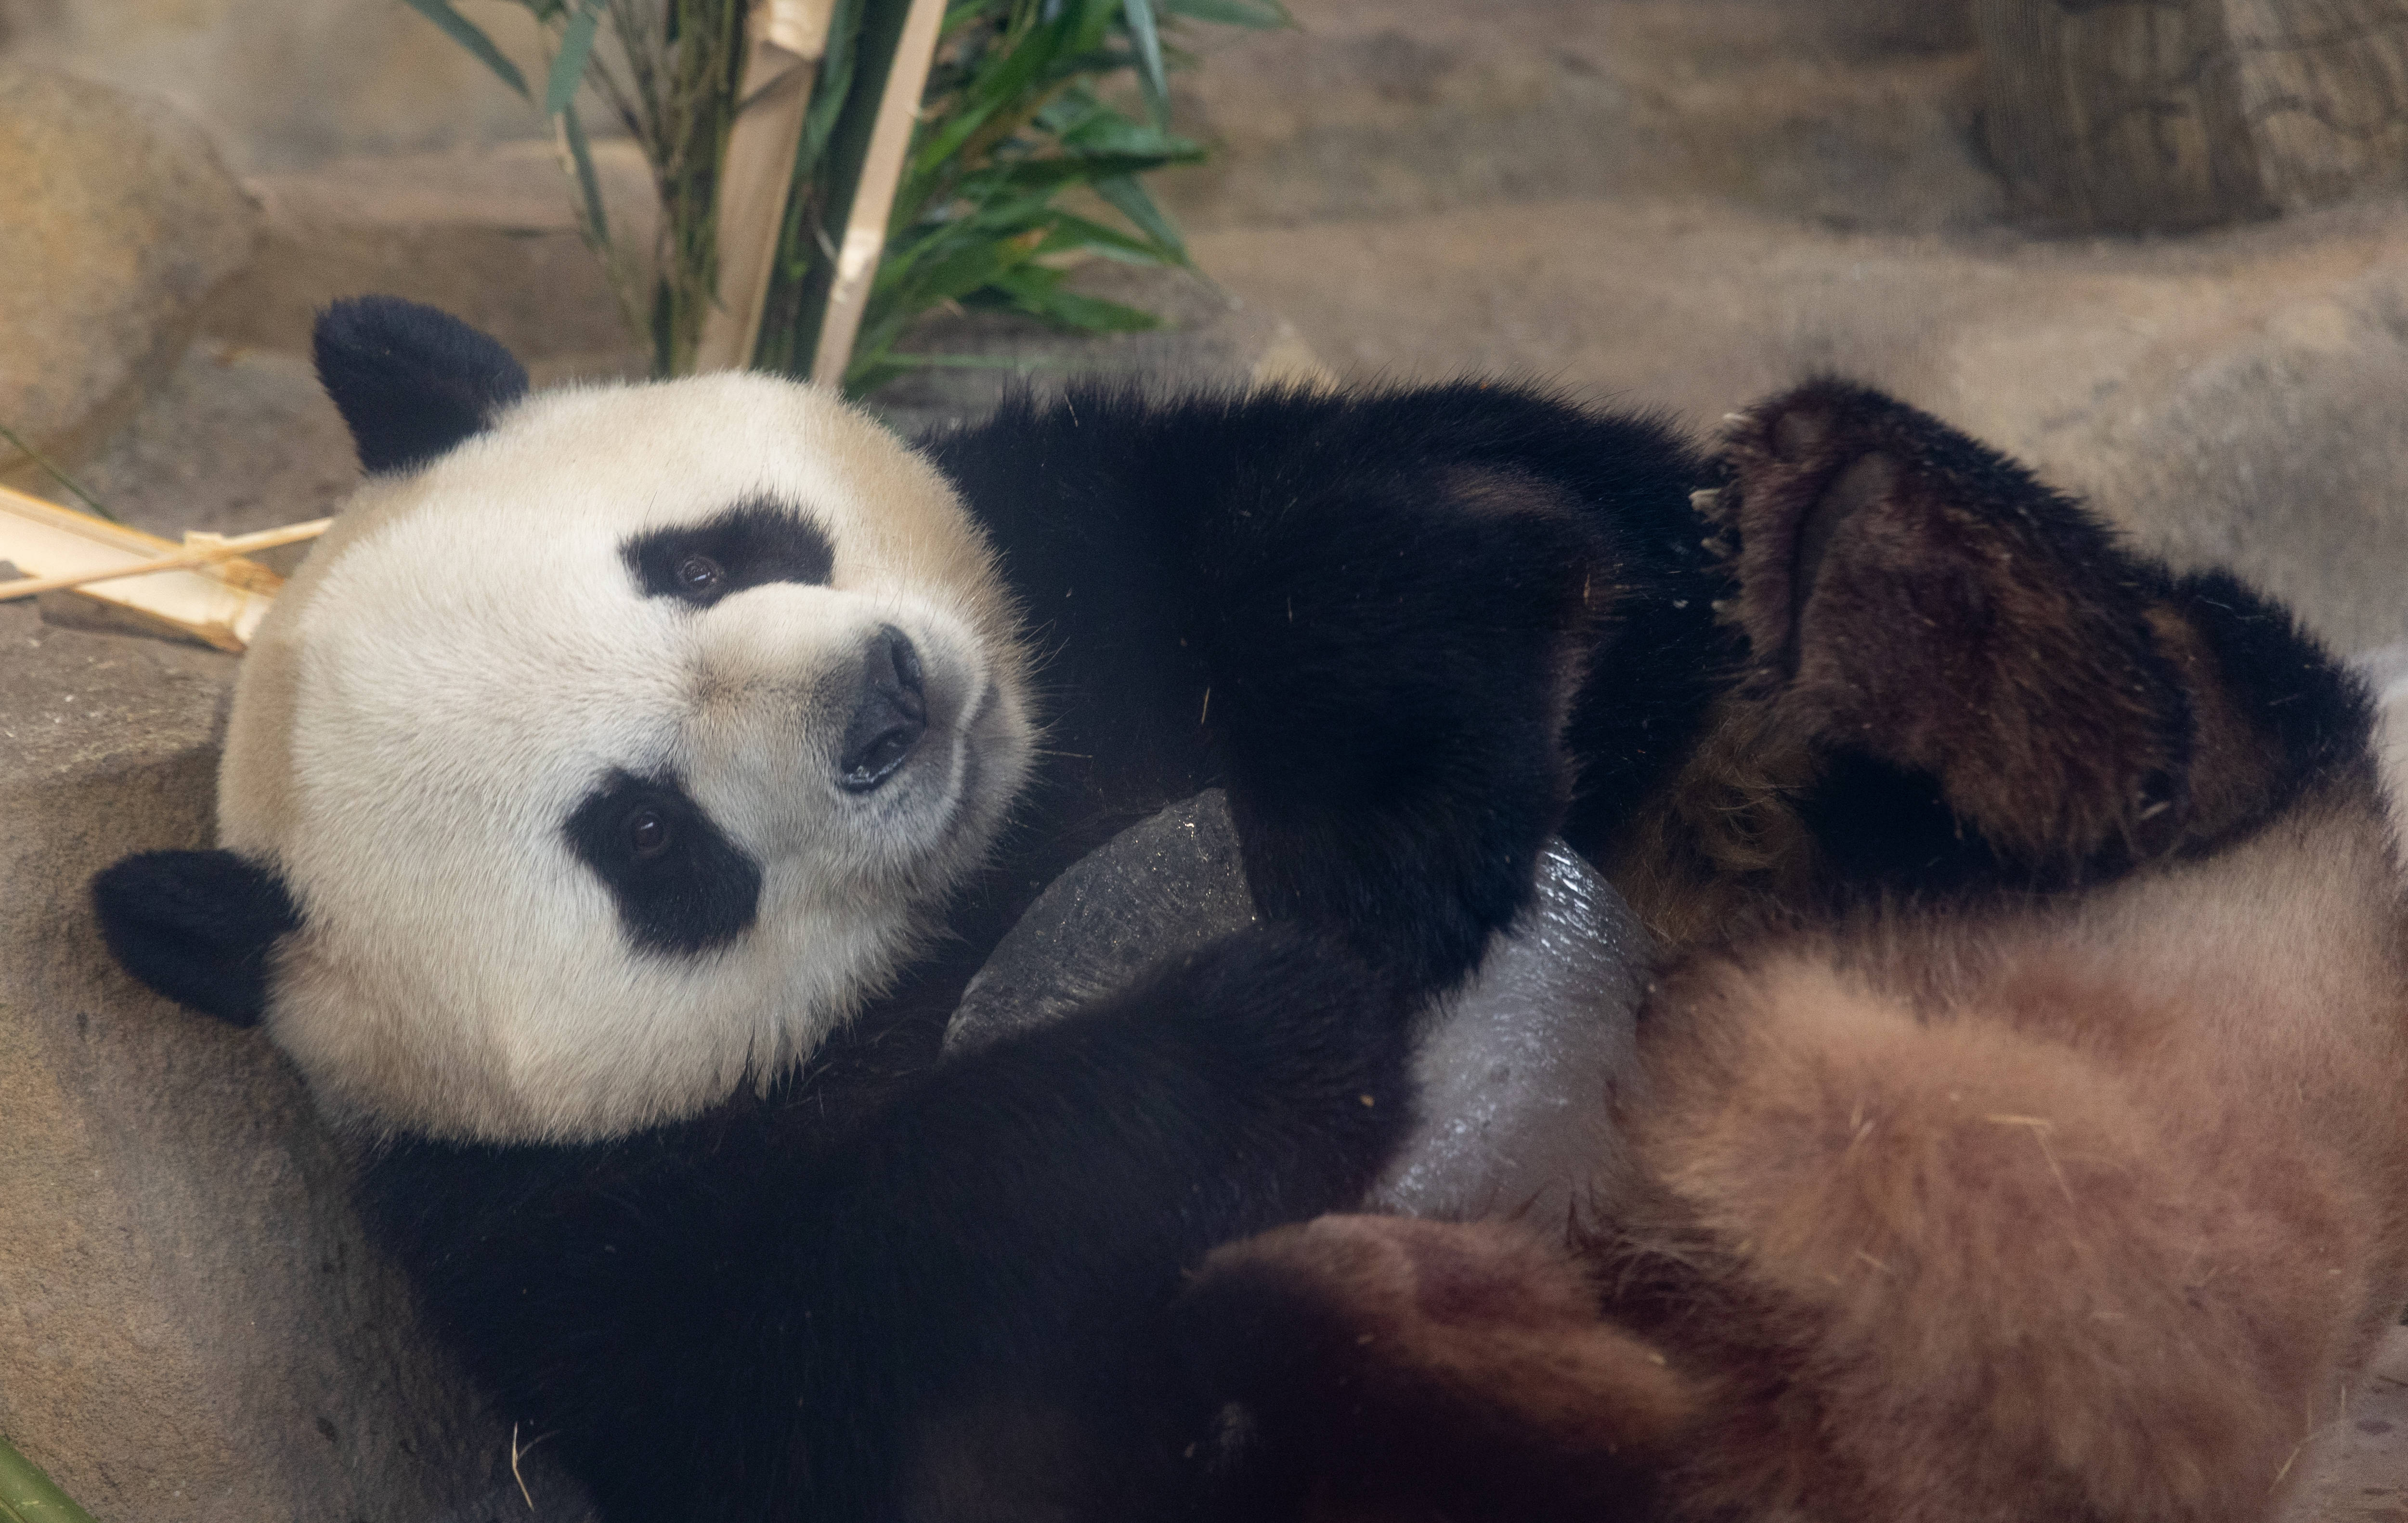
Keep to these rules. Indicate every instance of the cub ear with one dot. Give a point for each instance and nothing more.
(196, 926)
(410, 381)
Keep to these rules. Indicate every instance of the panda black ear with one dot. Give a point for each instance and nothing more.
(196, 926)
(411, 381)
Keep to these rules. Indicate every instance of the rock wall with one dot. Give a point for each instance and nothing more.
(287, 83)
(190, 1324)
(120, 223)
(2136, 114)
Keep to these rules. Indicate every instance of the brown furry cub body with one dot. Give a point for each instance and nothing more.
(2038, 1145)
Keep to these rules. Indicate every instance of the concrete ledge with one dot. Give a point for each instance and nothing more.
(190, 1324)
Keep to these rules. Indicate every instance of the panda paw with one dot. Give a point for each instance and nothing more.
(1304, 1049)
(1922, 608)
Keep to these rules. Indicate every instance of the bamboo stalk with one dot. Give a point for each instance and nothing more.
(784, 41)
(202, 552)
(219, 603)
(873, 196)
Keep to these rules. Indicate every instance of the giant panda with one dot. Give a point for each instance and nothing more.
(2021, 1105)
(621, 797)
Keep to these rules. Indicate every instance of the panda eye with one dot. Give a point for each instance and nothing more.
(648, 834)
(699, 574)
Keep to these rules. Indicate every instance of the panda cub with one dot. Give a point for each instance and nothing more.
(621, 797)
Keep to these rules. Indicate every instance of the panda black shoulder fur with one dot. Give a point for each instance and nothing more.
(628, 755)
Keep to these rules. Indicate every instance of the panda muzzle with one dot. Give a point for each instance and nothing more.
(890, 717)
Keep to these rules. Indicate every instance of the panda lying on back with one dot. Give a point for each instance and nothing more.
(628, 759)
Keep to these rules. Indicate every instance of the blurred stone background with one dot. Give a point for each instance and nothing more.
(1681, 204)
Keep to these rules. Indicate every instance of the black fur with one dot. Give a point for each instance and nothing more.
(682, 887)
(750, 545)
(2317, 713)
(1413, 633)
(410, 381)
(198, 926)
(930, 1311)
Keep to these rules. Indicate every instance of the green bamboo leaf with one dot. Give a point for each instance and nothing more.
(56, 473)
(1255, 15)
(1070, 109)
(996, 88)
(1091, 22)
(1148, 38)
(1105, 131)
(28, 1496)
(1125, 195)
(568, 65)
(589, 184)
(958, 276)
(1077, 235)
(1097, 62)
(1038, 291)
(464, 32)
(829, 97)
(1074, 169)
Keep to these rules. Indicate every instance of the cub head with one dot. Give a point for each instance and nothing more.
(612, 748)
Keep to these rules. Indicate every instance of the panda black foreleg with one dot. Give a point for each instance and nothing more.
(1391, 661)
(1042, 1198)
(1406, 629)
(945, 1309)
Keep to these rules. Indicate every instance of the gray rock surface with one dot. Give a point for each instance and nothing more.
(1519, 1071)
(121, 222)
(191, 1325)
(288, 82)
(234, 440)
(488, 234)
(1164, 885)
(1851, 112)
(1208, 337)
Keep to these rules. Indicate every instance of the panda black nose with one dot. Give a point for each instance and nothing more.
(890, 717)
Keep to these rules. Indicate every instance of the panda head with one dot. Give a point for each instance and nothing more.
(612, 748)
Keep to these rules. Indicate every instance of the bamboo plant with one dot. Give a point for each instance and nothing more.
(1018, 113)
(28, 1496)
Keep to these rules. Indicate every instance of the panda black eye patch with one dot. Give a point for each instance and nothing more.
(682, 887)
(750, 545)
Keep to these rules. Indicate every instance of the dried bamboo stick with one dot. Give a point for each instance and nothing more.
(784, 41)
(199, 553)
(219, 603)
(873, 195)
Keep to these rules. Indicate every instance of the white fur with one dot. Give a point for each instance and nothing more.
(468, 655)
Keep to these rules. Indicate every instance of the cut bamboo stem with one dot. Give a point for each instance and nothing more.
(201, 553)
(784, 41)
(219, 602)
(873, 195)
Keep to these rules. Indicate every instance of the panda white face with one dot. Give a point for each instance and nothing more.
(618, 755)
